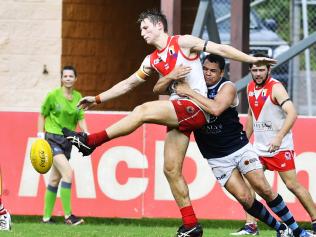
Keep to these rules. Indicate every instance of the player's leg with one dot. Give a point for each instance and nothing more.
(156, 112)
(5, 218)
(238, 188)
(51, 194)
(63, 166)
(176, 145)
(291, 182)
(261, 186)
(250, 227)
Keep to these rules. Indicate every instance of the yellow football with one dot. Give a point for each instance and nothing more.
(41, 156)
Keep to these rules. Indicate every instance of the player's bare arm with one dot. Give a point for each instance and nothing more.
(222, 101)
(117, 90)
(178, 73)
(281, 96)
(249, 124)
(197, 45)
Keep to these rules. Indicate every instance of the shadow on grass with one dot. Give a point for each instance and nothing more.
(217, 224)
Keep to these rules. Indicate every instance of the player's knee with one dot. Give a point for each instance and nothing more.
(54, 181)
(171, 171)
(67, 176)
(266, 193)
(246, 200)
(141, 111)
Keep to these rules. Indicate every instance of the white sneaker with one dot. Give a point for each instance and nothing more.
(247, 229)
(285, 233)
(5, 221)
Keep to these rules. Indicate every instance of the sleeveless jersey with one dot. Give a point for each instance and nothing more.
(268, 118)
(164, 61)
(224, 134)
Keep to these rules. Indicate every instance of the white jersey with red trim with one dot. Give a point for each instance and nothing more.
(268, 118)
(164, 61)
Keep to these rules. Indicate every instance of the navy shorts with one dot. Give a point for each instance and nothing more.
(59, 144)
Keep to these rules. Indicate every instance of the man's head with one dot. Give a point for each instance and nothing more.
(152, 24)
(259, 73)
(68, 76)
(213, 69)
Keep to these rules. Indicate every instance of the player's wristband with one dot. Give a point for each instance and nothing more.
(98, 99)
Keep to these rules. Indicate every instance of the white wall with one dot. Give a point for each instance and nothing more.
(30, 36)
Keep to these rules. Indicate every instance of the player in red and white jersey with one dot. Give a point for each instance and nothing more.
(174, 55)
(5, 217)
(271, 117)
(181, 116)
(263, 103)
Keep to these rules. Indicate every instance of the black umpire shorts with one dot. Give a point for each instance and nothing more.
(59, 144)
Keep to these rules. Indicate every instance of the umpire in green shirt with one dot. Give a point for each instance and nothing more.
(59, 110)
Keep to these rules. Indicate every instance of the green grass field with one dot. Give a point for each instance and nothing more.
(94, 227)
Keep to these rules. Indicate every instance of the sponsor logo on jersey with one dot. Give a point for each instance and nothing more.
(157, 60)
(171, 50)
(263, 126)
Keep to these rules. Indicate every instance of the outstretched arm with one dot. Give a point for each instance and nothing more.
(117, 90)
(226, 51)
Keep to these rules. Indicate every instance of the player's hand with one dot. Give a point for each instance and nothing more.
(86, 102)
(179, 72)
(183, 89)
(264, 61)
(275, 144)
(41, 135)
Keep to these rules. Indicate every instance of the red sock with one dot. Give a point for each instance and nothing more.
(97, 139)
(188, 217)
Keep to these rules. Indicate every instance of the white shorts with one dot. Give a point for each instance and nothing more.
(245, 159)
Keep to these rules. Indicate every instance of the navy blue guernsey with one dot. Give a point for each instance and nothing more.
(224, 134)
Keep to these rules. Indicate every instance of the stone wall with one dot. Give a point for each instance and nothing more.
(30, 37)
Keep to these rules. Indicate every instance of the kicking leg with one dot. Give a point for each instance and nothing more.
(157, 112)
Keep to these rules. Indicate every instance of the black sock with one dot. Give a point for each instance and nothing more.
(281, 210)
(261, 212)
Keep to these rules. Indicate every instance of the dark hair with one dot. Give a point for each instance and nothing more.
(257, 55)
(154, 16)
(69, 68)
(214, 58)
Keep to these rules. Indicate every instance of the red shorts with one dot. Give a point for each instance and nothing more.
(190, 116)
(283, 161)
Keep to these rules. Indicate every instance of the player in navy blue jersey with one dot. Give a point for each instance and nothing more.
(224, 144)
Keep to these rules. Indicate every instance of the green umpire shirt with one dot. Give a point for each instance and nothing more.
(60, 112)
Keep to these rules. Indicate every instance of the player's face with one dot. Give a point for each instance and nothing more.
(68, 78)
(149, 31)
(259, 74)
(212, 72)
